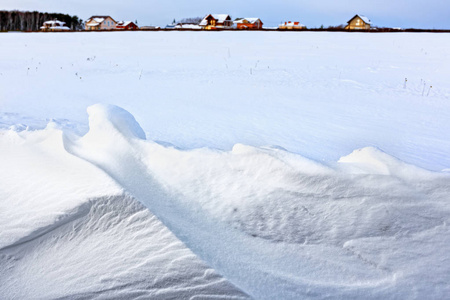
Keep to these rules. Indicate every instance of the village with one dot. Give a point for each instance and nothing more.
(209, 22)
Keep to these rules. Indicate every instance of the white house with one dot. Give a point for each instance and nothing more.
(100, 23)
(54, 25)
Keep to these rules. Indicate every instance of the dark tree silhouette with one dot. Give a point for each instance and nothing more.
(32, 21)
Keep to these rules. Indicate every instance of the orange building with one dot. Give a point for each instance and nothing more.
(248, 23)
(127, 25)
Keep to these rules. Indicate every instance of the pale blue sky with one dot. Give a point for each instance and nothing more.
(391, 13)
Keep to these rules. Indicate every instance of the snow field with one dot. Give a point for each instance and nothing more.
(321, 95)
(244, 160)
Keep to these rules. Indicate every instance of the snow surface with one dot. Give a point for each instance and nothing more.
(303, 167)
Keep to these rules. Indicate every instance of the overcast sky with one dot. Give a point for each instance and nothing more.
(312, 13)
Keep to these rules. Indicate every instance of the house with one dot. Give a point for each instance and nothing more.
(54, 25)
(248, 23)
(217, 21)
(126, 25)
(100, 23)
(358, 22)
(291, 26)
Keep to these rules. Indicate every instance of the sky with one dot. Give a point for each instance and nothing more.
(431, 14)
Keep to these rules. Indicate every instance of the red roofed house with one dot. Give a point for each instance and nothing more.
(126, 25)
(291, 26)
(248, 23)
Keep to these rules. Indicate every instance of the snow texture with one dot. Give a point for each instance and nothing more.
(225, 174)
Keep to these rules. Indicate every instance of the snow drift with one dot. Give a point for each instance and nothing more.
(273, 223)
(69, 231)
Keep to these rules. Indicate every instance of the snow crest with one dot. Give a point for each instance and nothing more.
(263, 214)
(103, 117)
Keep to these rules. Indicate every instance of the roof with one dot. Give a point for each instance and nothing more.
(100, 19)
(249, 20)
(364, 18)
(252, 20)
(220, 18)
(125, 23)
(55, 22)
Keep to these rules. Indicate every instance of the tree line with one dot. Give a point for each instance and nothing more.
(32, 20)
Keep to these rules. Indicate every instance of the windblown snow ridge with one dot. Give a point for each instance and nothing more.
(261, 217)
(268, 192)
(212, 199)
(116, 249)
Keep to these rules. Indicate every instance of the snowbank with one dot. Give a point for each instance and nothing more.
(259, 215)
(68, 230)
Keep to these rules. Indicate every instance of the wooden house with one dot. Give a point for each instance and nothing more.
(126, 25)
(358, 22)
(248, 23)
(216, 21)
(291, 26)
(54, 25)
(100, 23)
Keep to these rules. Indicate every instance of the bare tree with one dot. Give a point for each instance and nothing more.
(31, 21)
(195, 20)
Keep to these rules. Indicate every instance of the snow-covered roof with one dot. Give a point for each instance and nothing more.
(252, 20)
(99, 19)
(364, 18)
(249, 20)
(221, 17)
(124, 23)
(93, 24)
(55, 23)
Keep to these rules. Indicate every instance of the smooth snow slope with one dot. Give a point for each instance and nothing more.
(68, 231)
